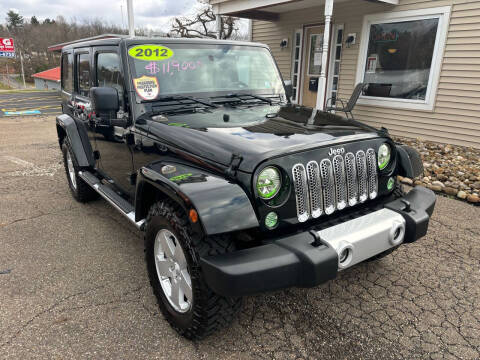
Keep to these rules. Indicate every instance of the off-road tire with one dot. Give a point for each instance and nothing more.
(397, 192)
(82, 192)
(209, 311)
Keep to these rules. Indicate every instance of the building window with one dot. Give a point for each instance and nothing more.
(67, 72)
(401, 55)
(83, 74)
(335, 60)
(296, 64)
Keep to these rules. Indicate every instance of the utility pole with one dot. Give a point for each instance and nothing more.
(23, 73)
(131, 26)
(8, 76)
(123, 20)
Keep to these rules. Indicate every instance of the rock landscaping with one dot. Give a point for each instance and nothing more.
(449, 169)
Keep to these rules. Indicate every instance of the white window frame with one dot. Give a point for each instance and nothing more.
(443, 15)
(299, 69)
(333, 51)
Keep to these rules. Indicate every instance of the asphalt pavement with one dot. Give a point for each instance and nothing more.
(73, 283)
(29, 103)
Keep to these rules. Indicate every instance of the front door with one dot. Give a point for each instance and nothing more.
(115, 154)
(312, 65)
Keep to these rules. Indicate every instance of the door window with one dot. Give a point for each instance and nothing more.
(315, 55)
(83, 74)
(67, 72)
(109, 73)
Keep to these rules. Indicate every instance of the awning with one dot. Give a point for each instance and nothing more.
(270, 10)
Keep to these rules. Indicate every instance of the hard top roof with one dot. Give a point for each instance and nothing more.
(145, 40)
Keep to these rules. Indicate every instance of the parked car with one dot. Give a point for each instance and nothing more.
(236, 190)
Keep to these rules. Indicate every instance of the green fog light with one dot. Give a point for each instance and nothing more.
(390, 183)
(271, 220)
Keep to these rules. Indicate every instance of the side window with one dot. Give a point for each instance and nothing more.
(67, 72)
(109, 73)
(83, 74)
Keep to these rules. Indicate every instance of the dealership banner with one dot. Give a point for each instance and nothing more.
(6, 48)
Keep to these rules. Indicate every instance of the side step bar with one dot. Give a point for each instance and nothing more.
(119, 203)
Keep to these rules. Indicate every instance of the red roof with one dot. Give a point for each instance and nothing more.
(50, 74)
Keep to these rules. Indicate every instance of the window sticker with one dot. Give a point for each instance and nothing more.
(146, 87)
(150, 52)
(172, 67)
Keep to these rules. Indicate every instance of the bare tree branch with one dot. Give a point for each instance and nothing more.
(202, 25)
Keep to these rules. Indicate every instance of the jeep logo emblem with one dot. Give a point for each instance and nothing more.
(338, 151)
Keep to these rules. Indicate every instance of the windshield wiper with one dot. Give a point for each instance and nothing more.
(181, 99)
(178, 104)
(239, 97)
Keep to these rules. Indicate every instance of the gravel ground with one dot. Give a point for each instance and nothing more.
(449, 169)
(73, 283)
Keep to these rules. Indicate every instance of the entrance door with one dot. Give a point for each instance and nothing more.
(313, 40)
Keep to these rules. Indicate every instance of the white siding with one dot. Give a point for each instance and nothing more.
(455, 118)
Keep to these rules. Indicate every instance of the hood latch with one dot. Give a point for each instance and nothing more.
(235, 161)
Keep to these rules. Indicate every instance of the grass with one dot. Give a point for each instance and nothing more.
(4, 87)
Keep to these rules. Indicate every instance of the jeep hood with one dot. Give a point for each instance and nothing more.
(256, 133)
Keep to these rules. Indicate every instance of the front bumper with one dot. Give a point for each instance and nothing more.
(310, 258)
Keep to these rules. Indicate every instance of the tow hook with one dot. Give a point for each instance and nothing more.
(408, 206)
(317, 239)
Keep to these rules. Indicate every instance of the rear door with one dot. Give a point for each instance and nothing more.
(80, 103)
(67, 82)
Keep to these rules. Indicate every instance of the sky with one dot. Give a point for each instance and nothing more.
(152, 14)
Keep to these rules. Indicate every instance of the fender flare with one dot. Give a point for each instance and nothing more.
(222, 206)
(77, 134)
(409, 161)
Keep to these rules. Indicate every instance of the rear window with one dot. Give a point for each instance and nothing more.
(67, 72)
(83, 74)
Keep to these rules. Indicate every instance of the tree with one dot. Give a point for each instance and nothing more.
(48, 21)
(34, 21)
(14, 20)
(203, 25)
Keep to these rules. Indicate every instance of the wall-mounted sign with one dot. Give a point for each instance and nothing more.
(7, 48)
(385, 36)
(372, 64)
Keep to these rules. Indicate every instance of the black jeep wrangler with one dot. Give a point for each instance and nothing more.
(237, 190)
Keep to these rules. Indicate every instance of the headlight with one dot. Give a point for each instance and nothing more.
(384, 154)
(268, 183)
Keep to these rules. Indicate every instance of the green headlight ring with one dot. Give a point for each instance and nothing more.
(275, 191)
(266, 196)
(271, 220)
(390, 183)
(382, 165)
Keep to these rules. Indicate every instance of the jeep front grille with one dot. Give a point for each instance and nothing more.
(333, 185)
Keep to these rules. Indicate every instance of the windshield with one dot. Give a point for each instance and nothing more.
(202, 69)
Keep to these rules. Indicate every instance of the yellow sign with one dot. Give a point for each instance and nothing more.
(146, 87)
(150, 52)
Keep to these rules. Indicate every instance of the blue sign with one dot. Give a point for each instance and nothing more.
(9, 54)
(24, 112)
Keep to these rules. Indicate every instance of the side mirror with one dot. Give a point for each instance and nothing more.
(288, 88)
(105, 101)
